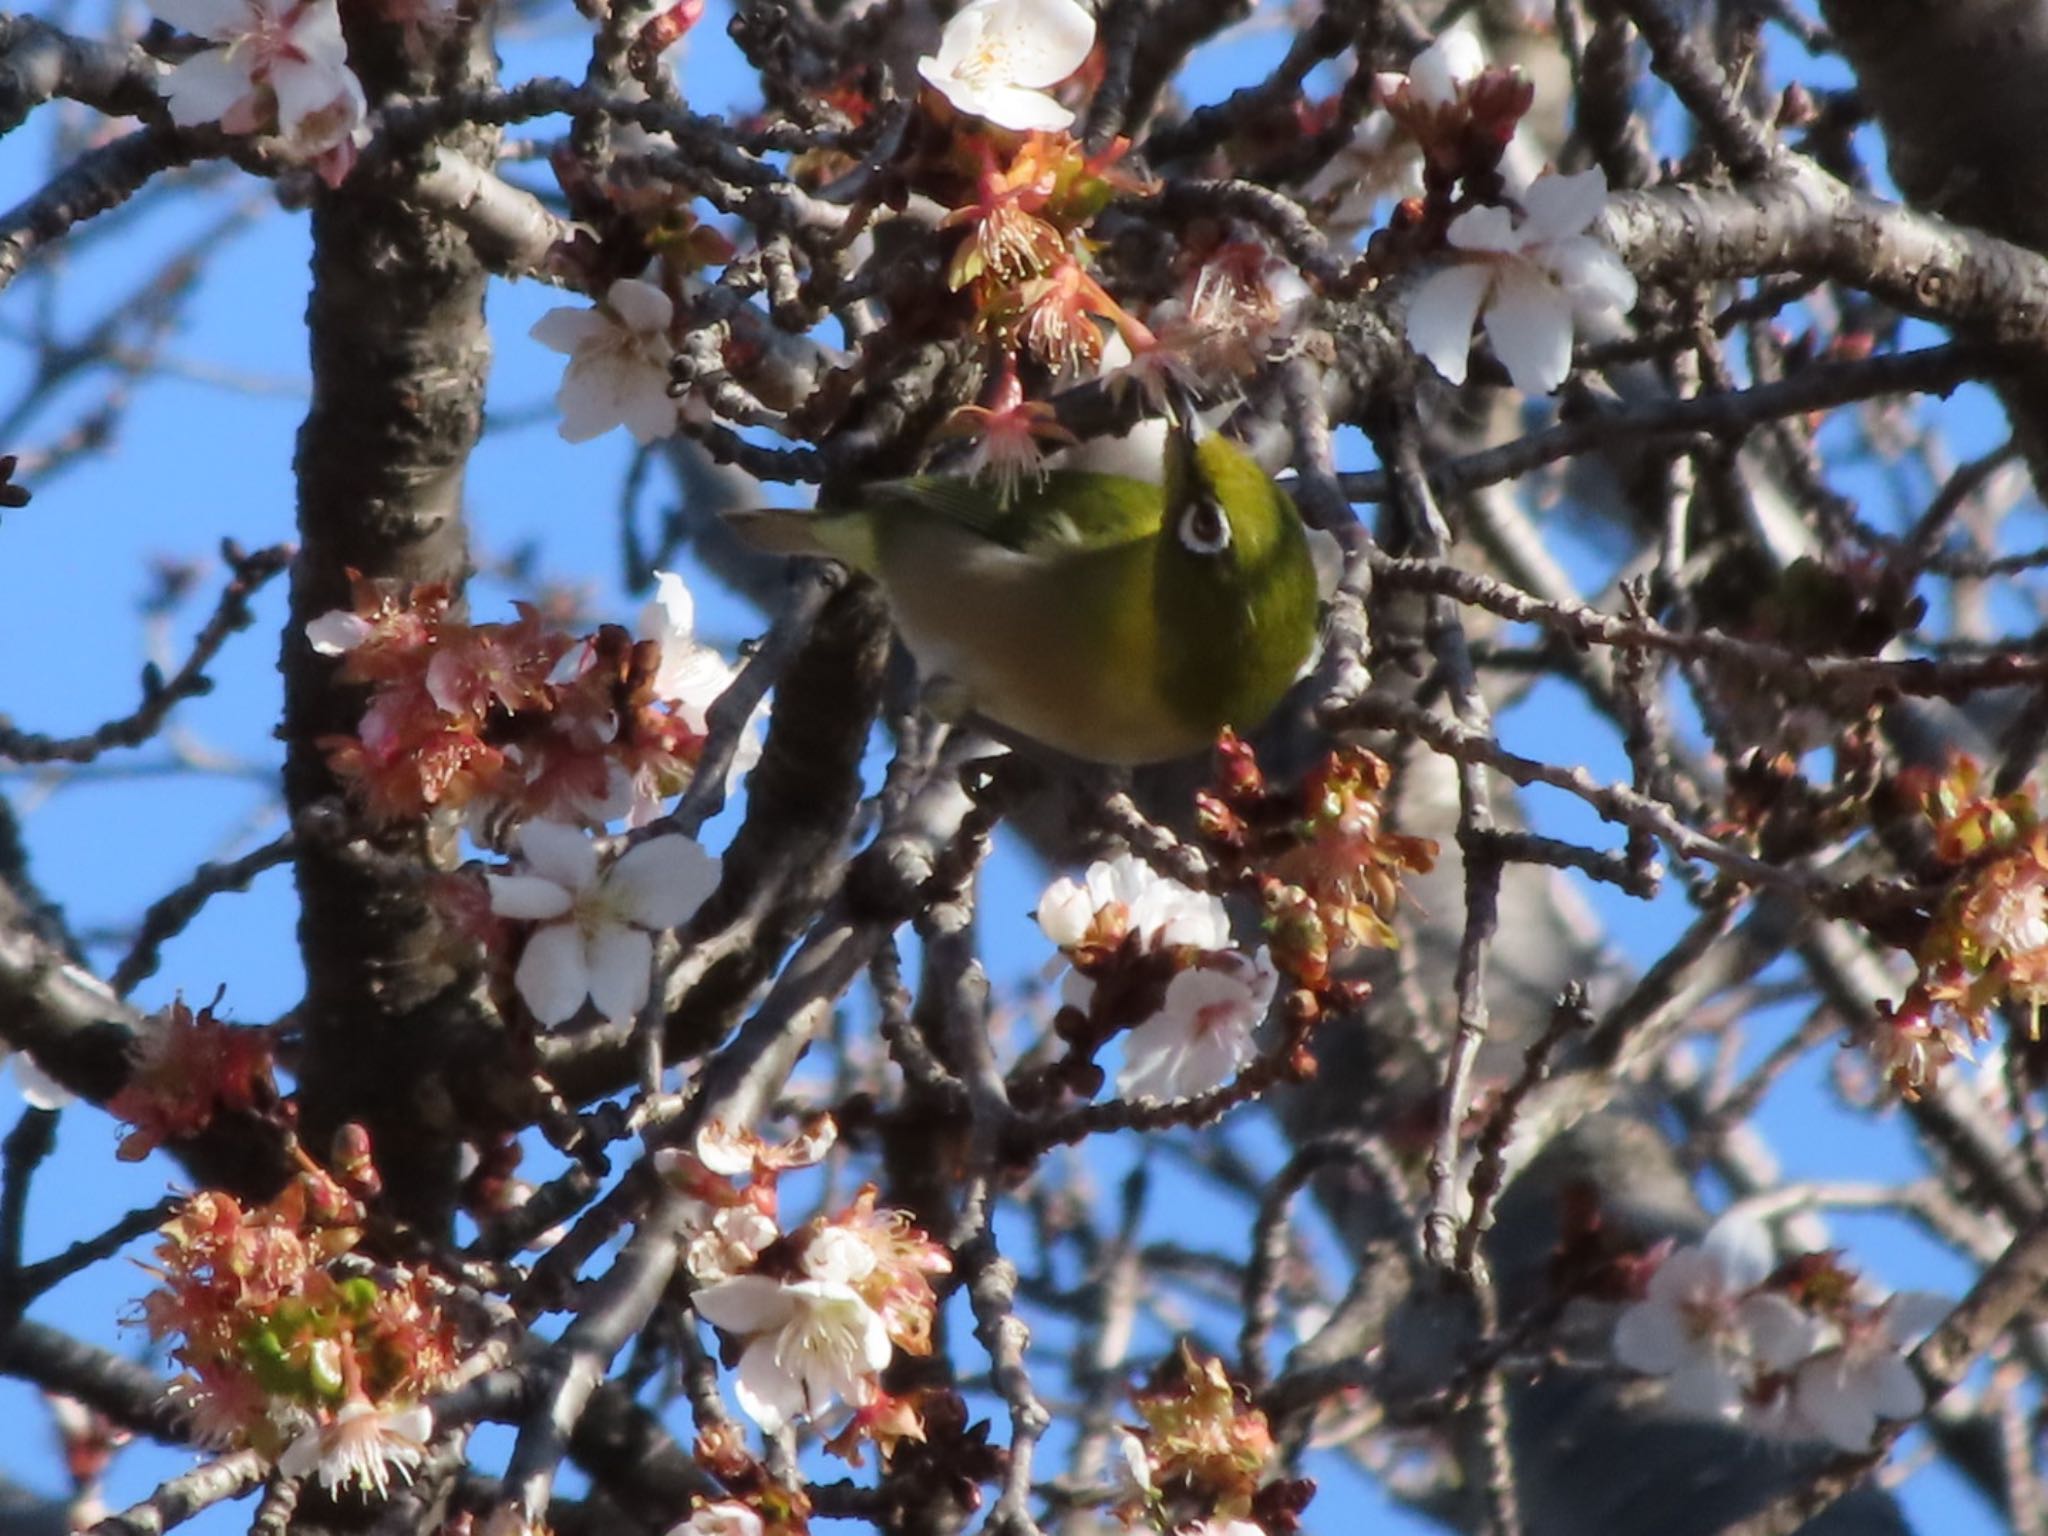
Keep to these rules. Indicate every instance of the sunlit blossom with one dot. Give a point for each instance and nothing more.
(997, 59)
(1527, 281)
(596, 941)
(618, 356)
(362, 1446)
(1202, 1035)
(809, 1344)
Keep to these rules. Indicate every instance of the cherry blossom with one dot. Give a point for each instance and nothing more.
(618, 363)
(1526, 281)
(692, 674)
(1160, 911)
(725, 1518)
(1842, 1392)
(1202, 1035)
(997, 58)
(595, 940)
(362, 1446)
(275, 64)
(809, 1344)
(1706, 1328)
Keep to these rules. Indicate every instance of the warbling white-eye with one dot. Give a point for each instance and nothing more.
(1117, 619)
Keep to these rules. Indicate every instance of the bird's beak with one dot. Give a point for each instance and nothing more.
(1184, 412)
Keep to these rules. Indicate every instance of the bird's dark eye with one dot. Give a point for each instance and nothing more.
(1204, 530)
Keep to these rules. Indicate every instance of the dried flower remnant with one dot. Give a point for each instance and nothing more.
(189, 1068)
(997, 59)
(1009, 431)
(1201, 1458)
(1986, 942)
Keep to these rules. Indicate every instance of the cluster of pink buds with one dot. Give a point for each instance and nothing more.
(292, 1345)
(815, 1314)
(1986, 942)
(521, 718)
(1202, 1459)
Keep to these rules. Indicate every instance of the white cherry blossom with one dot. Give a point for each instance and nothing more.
(1163, 913)
(1706, 1328)
(725, 1518)
(809, 1344)
(362, 1446)
(693, 674)
(1202, 1034)
(1842, 1392)
(275, 64)
(1528, 282)
(725, 1240)
(595, 942)
(997, 58)
(618, 356)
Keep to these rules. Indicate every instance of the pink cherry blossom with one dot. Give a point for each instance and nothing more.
(281, 66)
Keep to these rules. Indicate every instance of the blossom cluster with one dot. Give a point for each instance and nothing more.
(190, 1067)
(518, 719)
(1155, 957)
(814, 1314)
(1986, 943)
(1201, 1460)
(1792, 1353)
(290, 1345)
(1523, 267)
(270, 67)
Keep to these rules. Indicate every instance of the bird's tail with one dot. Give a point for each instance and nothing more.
(790, 531)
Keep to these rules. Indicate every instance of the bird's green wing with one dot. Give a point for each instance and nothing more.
(1068, 512)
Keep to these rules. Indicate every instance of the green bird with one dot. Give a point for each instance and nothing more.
(1116, 619)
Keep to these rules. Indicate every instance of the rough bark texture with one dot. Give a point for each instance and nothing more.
(399, 355)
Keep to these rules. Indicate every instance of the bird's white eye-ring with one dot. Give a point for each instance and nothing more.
(1204, 530)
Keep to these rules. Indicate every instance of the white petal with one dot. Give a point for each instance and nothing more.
(216, 19)
(662, 882)
(527, 898)
(1834, 1403)
(204, 87)
(1741, 1246)
(1563, 205)
(1015, 107)
(769, 1393)
(560, 853)
(1780, 1334)
(1650, 1337)
(303, 1454)
(643, 307)
(308, 90)
(1487, 228)
(337, 632)
(554, 973)
(1705, 1389)
(1529, 322)
(1591, 275)
(1450, 61)
(620, 961)
(38, 1089)
(1911, 1315)
(671, 614)
(570, 330)
(744, 1305)
(1064, 912)
(1039, 42)
(1895, 1392)
(1441, 312)
(646, 408)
